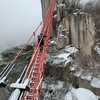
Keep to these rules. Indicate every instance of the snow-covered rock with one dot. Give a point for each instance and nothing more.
(95, 82)
(69, 96)
(71, 49)
(97, 49)
(61, 5)
(80, 94)
(84, 94)
(53, 42)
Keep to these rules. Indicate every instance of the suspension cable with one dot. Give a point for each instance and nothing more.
(26, 43)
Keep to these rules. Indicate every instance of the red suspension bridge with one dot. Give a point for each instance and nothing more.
(37, 62)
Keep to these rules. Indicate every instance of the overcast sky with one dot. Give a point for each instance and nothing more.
(18, 19)
(84, 1)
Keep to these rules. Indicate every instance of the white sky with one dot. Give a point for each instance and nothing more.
(83, 1)
(18, 19)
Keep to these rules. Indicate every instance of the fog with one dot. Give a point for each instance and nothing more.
(84, 1)
(18, 20)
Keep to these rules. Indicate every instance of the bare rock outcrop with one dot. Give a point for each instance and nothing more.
(80, 25)
(45, 4)
(4, 93)
(76, 29)
(82, 31)
(80, 72)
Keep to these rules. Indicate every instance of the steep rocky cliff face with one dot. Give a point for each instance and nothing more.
(69, 65)
(45, 4)
(77, 28)
(82, 31)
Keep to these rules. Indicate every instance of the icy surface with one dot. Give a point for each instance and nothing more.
(64, 55)
(61, 27)
(73, 69)
(55, 16)
(53, 42)
(78, 73)
(68, 96)
(81, 12)
(80, 94)
(88, 76)
(75, 13)
(64, 58)
(95, 82)
(96, 48)
(63, 36)
(70, 49)
(61, 5)
(64, 29)
(58, 86)
(56, 90)
(84, 94)
(53, 89)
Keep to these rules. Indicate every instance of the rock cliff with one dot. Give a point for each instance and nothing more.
(82, 31)
(77, 29)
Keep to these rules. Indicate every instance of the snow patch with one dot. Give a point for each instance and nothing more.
(88, 76)
(96, 48)
(57, 61)
(61, 26)
(80, 94)
(66, 59)
(75, 13)
(53, 42)
(63, 36)
(54, 87)
(84, 94)
(58, 86)
(68, 96)
(61, 5)
(64, 29)
(78, 73)
(95, 82)
(81, 12)
(73, 68)
(55, 16)
(70, 49)
(64, 55)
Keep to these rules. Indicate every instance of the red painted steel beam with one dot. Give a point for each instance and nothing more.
(36, 66)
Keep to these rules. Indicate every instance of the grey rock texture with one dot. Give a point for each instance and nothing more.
(62, 37)
(80, 25)
(76, 29)
(82, 32)
(4, 93)
(45, 4)
(80, 72)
